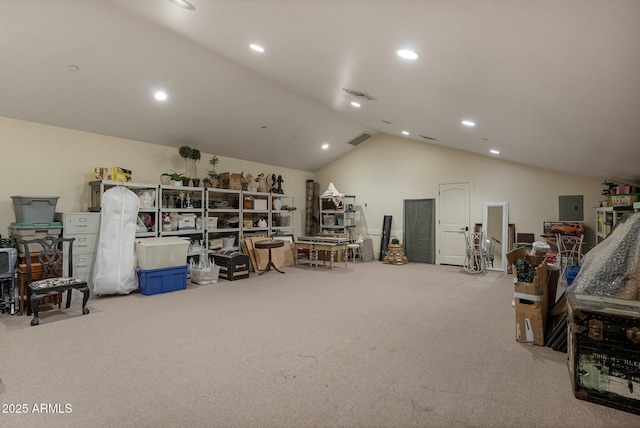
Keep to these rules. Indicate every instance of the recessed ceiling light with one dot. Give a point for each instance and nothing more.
(183, 4)
(256, 48)
(355, 104)
(407, 54)
(74, 67)
(160, 95)
(405, 132)
(468, 123)
(495, 152)
(325, 146)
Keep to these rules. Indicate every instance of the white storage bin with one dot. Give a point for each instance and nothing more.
(157, 253)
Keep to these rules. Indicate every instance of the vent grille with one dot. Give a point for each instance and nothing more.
(430, 138)
(360, 94)
(360, 139)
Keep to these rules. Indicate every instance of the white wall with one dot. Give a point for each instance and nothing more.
(386, 169)
(43, 160)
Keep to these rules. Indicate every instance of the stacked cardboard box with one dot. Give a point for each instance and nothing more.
(531, 298)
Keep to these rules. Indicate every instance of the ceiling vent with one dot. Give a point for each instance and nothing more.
(435, 140)
(360, 139)
(360, 94)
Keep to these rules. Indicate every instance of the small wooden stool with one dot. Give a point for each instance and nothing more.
(269, 245)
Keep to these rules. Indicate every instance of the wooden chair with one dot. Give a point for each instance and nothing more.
(51, 259)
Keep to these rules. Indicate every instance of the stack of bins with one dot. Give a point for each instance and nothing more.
(35, 217)
(161, 264)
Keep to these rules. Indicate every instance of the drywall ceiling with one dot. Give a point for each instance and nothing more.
(554, 84)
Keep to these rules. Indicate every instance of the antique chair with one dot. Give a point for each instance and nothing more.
(476, 255)
(46, 275)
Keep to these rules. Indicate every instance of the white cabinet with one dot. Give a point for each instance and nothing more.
(340, 218)
(84, 227)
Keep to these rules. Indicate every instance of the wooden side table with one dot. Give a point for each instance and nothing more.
(269, 245)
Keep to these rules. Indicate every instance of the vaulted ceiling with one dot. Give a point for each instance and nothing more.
(554, 84)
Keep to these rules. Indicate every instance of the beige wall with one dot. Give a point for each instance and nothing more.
(385, 170)
(42, 160)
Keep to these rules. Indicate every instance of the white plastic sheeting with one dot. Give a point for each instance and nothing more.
(115, 268)
(612, 268)
(333, 194)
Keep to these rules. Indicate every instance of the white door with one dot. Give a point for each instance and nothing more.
(453, 222)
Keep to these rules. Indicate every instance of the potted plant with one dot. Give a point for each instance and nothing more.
(165, 178)
(206, 182)
(195, 157)
(185, 153)
(212, 174)
(176, 178)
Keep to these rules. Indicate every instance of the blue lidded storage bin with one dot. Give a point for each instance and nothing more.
(571, 273)
(164, 280)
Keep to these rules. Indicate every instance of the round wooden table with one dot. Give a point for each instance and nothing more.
(269, 245)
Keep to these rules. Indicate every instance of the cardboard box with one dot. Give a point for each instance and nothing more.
(231, 181)
(521, 253)
(113, 173)
(622, 200)
(212, 223)
(260, 204)
(187, 222)
(531, 299)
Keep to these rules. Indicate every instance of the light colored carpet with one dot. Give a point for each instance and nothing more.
(370, 345)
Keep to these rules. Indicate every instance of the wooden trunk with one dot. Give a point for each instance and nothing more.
(604, 350)
(233, 264)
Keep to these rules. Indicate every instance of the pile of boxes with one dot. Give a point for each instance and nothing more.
(112, 173)
(35, 217)
(531, 299)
